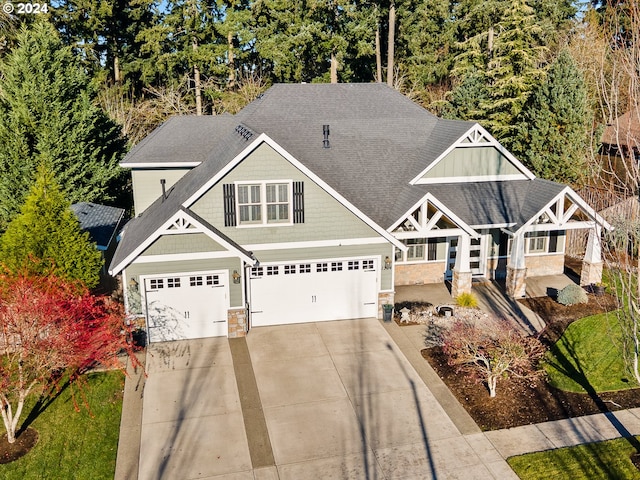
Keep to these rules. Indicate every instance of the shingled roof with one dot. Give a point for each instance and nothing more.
(379, 141)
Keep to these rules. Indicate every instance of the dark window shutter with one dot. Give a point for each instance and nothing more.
(229, 196)
(553, 241)
(298, 202)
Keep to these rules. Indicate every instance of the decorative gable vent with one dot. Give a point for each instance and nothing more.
(244, 132)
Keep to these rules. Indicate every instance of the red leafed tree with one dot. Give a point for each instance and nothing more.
(491, 352)
(51, 330)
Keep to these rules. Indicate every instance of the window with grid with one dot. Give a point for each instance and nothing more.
(272, 270)
(322, 267)
(304, 268)
(213, 280)
(353, 265)
(336, 266)
(277, 202)
(156, 283)
(257, 271)
(289, 269)
(195, 281)
(173, 282)
(367, 264)
(415, 250)
(538, 243)
(249, 204)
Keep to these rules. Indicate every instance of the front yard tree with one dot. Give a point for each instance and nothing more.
(489, 353)
(46, 237)
(51, 332)
(48, 113)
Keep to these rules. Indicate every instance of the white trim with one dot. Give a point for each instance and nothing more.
(445, 232)
(160, 165)
(476, 131)
(490, 226)
(440, 206)
(164, 229)
(264, 138)
(181, 257)
(314, 243)
(477, 178)
(565, 224)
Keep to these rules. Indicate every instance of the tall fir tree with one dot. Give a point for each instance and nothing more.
(48, 114)
(46, 237)
(553, 128)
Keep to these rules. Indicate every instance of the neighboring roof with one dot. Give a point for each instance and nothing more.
(101, 221)
(625, 131)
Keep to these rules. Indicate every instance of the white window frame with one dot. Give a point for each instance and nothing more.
(534, 238)
(263, 204)
(403, 257)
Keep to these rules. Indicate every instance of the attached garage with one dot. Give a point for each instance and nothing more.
(333, 289)
(184, 306)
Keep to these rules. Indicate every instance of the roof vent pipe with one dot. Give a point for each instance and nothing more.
(325, 133)
(164, 191)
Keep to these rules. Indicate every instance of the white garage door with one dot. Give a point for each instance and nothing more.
(314, 291)
(187, 306)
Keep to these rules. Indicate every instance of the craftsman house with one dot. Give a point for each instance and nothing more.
(315, 201)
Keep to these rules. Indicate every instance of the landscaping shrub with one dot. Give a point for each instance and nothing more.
(467, 299)
(572, 294)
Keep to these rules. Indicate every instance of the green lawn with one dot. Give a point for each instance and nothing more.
(589, 356)
(605, 460)
(75, 445)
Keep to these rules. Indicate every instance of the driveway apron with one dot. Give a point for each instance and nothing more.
(336, 400)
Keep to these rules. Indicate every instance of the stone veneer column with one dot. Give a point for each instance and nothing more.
(461, 283)
(592, 262)
(385, 298)
(237, 319)
(516, 281)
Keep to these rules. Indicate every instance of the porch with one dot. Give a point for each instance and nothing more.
(492, 297)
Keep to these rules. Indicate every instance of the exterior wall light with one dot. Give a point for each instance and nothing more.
(236, 277)
(387, 263)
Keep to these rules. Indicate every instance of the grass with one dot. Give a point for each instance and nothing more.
(75, 445)
(588, 356)
(602, 460)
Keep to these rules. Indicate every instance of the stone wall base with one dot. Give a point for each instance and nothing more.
(461, 283)
(516, 282)
(237, 318)
(419, 273)
(385, 298)
(591, 273)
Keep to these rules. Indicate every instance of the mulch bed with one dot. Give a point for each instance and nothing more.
(25, 441)
(519, 402)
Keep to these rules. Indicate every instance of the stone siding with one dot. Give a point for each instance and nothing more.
(539, 265)
(385, 298)
(461, 283)
(419, 273)
(591, 273)
(237, 318)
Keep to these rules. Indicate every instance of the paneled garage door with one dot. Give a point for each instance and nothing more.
(187, 306)
(314, 291)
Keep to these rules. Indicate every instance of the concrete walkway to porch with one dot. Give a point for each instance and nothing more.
(491, 298)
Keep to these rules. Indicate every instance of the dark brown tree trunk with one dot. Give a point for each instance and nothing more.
(391, 46)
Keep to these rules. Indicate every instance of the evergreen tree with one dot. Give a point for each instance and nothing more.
(47, 113)
(553, 128)
(468, 99)
(46, 237)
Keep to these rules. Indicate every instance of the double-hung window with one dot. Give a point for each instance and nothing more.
(264, 203)
(538, 243)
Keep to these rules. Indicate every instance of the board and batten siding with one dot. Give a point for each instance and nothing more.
(230, 264)
(324, 217)
(146, 185)
(473, 162)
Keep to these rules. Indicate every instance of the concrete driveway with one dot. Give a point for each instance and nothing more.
(333, 400)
